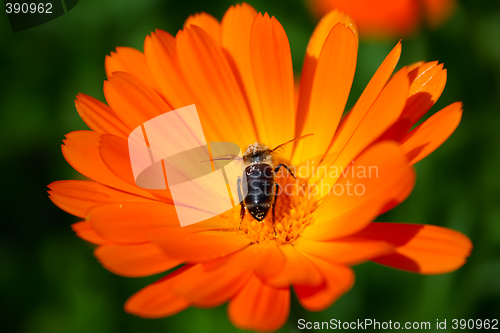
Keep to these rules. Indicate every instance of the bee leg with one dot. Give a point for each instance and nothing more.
(242, 214)
(276, 191)
(286, 167)
(242, 204)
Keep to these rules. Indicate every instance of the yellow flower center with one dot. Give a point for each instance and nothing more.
(294, 208)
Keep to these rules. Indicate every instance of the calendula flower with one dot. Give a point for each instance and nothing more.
(239, 75)
(387, 17)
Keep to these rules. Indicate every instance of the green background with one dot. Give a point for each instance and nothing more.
(51, 283)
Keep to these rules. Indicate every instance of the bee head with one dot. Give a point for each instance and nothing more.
(257, 153)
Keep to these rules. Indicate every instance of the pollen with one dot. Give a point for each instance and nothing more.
(294, 212)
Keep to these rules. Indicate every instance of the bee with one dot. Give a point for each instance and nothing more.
(261, 187)
(260, 172)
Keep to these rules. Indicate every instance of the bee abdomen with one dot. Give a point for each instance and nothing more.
(258, 210)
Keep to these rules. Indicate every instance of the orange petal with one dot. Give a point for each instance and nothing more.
(382, 114)
(427, 84)
(161, 54)
(297, 270)
(207, 22)
(378, 177)
(77, 197)
(273, 74)
(337, 281)
(114, 153)
(427, 137)
(219, 99)
(81, 151)
(85, 231)
(262, 259)
(202, 246)
(134, 260)
(366, 100)
(424, 249)
(205, 287)
(157, 299)
(132, 61)
(260, 307)
(99, 117)
(133, 101)
(316, 43)
(133, 222)
(323, 29)
(318, 38)
(236, 27)
(347, 250)
(414, 65)
(321, 111)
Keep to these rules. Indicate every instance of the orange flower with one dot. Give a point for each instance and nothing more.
(387, 17)
(239, 75)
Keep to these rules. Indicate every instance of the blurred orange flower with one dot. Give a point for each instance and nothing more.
(387, 17)
(239, 74)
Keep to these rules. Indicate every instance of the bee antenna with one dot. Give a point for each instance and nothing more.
(296, 139)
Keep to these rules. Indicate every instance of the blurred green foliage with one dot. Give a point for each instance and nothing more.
(51, 283)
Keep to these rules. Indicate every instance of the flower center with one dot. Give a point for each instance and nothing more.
(293, 212)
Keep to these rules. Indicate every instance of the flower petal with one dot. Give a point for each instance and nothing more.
(132, 61)
(202, 246)
(236, 27)
(208, 23)
(218, 97)
(85, 231)
(273, 73)
(157, 299)
(338, 280)
(316, 43)
(134, 260)
(347, 250)
(81, 151)
(260, 307)
(383, 173)
(133, 222)
(319, 112)
(424, 249)
(115, 154)
(382, 114)
(426, 85)
(297, 270)
(428, 136)
(77, 197)
(262, 259)
(161, 55)
(133, 101)
(206, 287)
(323, 29)
(99, 117)
(367, 98)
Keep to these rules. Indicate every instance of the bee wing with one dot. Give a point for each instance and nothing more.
(280, 147)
